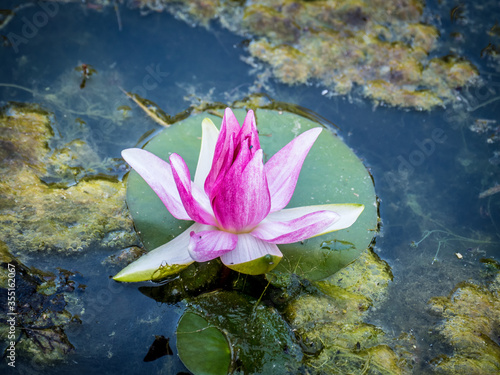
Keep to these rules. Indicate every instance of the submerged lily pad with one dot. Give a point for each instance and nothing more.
(331, 174)
(202, 347)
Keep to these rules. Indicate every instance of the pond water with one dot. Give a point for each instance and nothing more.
(429, 167)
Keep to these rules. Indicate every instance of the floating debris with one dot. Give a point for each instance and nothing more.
(151, 109)
(493, 190)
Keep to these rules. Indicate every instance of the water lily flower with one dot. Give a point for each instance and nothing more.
(236, 201)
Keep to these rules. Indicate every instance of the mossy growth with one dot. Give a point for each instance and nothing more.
(330, 322)
(268, 21)
(35, 215)
(383, 47)
(287, 62)
(471, 321)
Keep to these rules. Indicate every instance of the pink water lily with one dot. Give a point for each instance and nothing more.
(236, 201)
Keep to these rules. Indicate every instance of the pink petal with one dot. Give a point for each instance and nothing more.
(211, 244)
(294, 229)
(158, 175)
(283, 169)
(242, 200)
(249, 132)
(224, 150)
(209, 137)
(195, 201)
(348, 214)
(249, 248)
(227, 161)
(230, 122)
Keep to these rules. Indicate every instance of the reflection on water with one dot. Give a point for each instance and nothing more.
(431, 169)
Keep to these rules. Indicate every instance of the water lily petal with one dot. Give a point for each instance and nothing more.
(283, 169)
(208, 140)
(224, 150)
(193, 198)
(211, 244)
(230, 122)
(264, 255)
(348, 212)
(295, 229)
(242, 200)
(168, 259)
(158, 174)
(248, 135)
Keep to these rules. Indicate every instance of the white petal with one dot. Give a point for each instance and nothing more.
(172, 256)
(209, 137)
(349, 213)
(249, 248)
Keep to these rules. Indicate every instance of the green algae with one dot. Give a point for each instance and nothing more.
(471, 317)
(386, 58)
(73, 162)
(266, 20)
(332, 320)
(382, 47)
(287, 62)
(36, 216)
(368, 276)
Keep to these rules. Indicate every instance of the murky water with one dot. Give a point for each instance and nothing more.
(429, 167)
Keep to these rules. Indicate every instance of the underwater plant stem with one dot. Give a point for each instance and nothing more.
(13, 12)
(456, 236)
(437, 252)
(491, 217)
(261, 295)
(452, 237)
(427, 234)
(118, 17)
(12, 85)
(485, 103)
(61, 107)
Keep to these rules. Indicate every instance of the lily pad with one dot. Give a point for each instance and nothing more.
(202, 348)
(332, 173)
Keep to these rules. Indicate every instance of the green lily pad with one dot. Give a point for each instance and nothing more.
(203, 349)
(332, 173)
